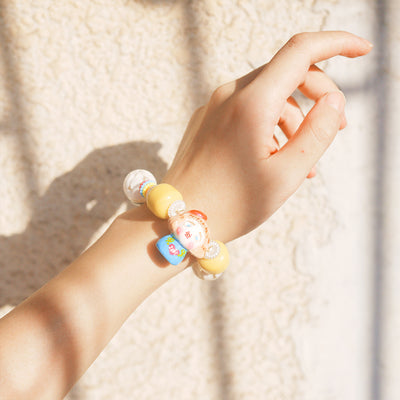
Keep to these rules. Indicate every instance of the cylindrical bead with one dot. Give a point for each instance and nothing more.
(160, 197)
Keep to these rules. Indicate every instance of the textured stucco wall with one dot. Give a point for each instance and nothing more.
(309, 307)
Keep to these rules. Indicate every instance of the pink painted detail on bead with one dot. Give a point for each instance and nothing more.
(189, 245)
(173, 250)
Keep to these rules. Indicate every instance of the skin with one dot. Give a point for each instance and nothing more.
(228, 163)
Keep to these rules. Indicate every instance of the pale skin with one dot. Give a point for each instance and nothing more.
(227, 155)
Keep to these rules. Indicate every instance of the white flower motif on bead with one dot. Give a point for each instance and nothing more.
(177, 207)
(212, 250)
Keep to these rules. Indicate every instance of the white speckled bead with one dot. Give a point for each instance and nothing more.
(204, 275)
(132, 184)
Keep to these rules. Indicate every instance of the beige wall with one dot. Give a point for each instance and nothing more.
(92, 89)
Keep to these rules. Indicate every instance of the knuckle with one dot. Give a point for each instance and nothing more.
(298, 40)
(199, 111)
(221, 94)
(197, 116)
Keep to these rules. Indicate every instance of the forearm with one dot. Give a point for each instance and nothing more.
(229, 166)
(48, 341)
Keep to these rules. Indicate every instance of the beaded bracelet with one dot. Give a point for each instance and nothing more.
(189, 230)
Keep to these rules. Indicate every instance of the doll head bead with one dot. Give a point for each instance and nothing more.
(191, 230)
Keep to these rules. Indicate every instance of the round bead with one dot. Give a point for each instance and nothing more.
(217, 264)
(160, 197)
(204, 275)
(132, 184)
(177, 207)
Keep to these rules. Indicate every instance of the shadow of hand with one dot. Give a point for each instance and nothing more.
(65, 218)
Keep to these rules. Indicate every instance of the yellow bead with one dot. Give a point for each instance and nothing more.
(217, 264)
(160, 198)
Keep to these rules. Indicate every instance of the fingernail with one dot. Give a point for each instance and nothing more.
(368, 43)
(343, 122)
(336, 100)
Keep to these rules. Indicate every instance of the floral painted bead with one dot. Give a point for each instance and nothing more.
(171, 249)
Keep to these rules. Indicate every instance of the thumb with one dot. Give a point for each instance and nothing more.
(311, 140)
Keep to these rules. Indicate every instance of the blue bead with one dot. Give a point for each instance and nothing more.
(171, 249)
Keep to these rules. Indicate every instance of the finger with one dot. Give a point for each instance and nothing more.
(248, 78)
(312, 173)
(290, 65)
(290, 120)
(316, 84)
(271, 146)
(277, 145)
(311, 140)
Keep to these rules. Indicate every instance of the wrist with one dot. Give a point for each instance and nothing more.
(141, 228)
(189, 231)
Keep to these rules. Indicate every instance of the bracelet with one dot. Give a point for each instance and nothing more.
(189, 230)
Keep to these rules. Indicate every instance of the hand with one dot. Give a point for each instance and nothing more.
(229, 164)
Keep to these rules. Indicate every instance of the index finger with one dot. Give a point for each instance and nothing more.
(288, 68)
